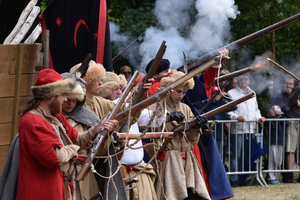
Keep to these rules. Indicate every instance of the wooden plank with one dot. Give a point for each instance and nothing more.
(6, 109)
(7, 58)
(30, 58)
(3, 155)
(5, 130)
(9, 82)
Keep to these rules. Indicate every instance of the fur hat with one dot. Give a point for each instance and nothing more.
(77, 93)
(49, 83)
(163, 65)
(95, 72)
(176, 75)
(110, 82)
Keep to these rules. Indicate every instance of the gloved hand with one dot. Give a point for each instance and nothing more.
(201, 121)
(117, 142)
(176, 116)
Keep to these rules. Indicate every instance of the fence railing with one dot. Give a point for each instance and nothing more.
(251, 148)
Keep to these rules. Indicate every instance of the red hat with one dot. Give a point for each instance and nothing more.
(214, 89)
(49, 83)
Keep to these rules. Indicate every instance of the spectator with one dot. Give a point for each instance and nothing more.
(292, 136)
(126, 70)
(276, 136)
(241, 133)
(282, 100)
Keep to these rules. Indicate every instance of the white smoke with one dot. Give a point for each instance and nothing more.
(120, 40)
(210, 30)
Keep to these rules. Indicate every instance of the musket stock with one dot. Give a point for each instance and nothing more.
(104, 133)
(148, 135)
(234, 45)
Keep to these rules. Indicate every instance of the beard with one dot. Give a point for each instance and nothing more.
(55, 107)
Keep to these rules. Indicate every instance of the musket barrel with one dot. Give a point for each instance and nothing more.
(234, 45)
(232, 74)
(138, 39)
(285, 70)
(228, 105)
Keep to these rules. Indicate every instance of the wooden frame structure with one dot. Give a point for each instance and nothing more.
(17, 75)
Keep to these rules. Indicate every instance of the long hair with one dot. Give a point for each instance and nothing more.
(31, 104)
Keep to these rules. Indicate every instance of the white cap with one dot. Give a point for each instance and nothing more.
(277, 110)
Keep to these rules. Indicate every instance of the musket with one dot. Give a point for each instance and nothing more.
(164, 93)
(189, 124)
(103, 134)
(214, 96)
(285, 70)
(234, 45)
(140, 94)
(233, 74)
(138, 39)
(148, 135)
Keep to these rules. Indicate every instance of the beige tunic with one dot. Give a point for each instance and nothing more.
(177, 174)
(88, 186)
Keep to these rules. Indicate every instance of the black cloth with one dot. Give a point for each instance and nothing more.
(75, 32)
(163, 65)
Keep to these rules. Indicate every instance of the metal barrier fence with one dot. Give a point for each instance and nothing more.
(258, 149)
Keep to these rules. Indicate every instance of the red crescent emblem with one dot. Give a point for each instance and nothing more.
(76, 29)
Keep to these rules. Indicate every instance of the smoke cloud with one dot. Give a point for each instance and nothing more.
(192, 27)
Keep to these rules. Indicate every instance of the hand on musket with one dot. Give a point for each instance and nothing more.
(224, 55)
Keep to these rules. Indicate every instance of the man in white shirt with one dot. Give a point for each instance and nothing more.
(241, 132)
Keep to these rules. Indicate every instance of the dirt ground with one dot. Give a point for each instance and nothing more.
(285, 191)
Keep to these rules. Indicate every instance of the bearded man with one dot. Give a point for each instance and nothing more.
(48, 143)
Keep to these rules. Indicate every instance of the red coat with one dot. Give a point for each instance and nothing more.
(39, 174)
(155, 85)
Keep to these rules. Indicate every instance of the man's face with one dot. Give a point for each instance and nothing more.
(289, 84)
(94, 87)
(161, 74)
(243, 81)
(115, 94)
(126, 71)
(56, 105)
(69, 105)
(177, 94)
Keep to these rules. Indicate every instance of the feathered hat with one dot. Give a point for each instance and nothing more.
(49, 83)
(110, 82)
(189, 84)
(95, 72)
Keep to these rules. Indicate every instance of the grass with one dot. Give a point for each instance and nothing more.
(290, 191)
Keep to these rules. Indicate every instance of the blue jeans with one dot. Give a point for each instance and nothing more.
(238, 143)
